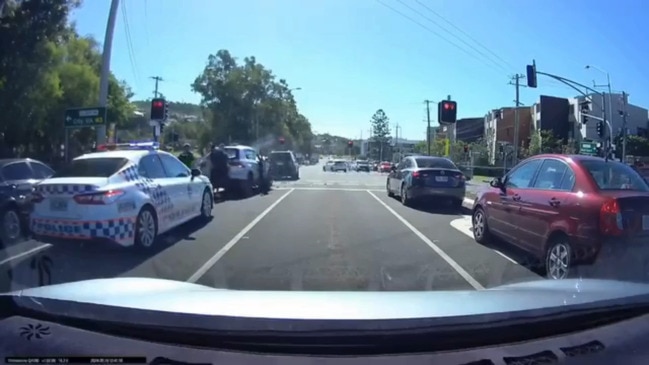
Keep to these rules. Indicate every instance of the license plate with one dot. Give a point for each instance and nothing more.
(441, 178)
(645, 222)
(58, 205)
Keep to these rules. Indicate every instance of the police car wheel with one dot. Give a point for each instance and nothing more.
(208, 203)
(146, 228)
(11, 229)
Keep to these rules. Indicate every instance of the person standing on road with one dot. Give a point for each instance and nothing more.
(187, 157)
(264, 181)
(219, 171)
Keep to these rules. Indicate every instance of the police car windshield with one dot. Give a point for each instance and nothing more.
(92, 167)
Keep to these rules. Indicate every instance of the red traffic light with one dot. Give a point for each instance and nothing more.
(158, 104)
(350, 143)
(449, 106)
(466, 148)
(281, 140)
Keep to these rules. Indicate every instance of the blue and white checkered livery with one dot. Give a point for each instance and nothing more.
(127, 194)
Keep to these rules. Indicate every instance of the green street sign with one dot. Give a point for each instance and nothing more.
(588, 148)
(85, 117)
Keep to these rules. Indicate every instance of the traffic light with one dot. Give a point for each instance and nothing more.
(159, 109)
(281, 140)
(531, 75)
(466, 148)
(350, 143)
(584, 108)
(447, 111)
(600, 129)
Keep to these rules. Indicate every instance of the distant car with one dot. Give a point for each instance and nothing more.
(362, 166)
(283, 164)
(426, 177)
(339, 165)
(127, 196)
(327, 166)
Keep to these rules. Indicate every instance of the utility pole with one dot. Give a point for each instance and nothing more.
(624, 113)
(157, 80)
(105, 66)
(516, 82)
(428, 123)
(397, 128)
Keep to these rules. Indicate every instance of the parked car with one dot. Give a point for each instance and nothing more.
(567, 211)
(17, 180)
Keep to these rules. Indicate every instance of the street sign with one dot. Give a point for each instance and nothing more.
(85, 117)
(588, 148)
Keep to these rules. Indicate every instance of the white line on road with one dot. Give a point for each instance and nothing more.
(217, 256)
(463, 273)
(25, 253)
(464, 225)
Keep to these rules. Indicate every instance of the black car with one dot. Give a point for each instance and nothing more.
(283, 164)
(17, 180)
(363, 166)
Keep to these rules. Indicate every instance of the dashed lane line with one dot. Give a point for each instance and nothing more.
(220, 253)
(463, 273)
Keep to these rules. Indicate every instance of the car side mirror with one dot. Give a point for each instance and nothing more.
(497, 183)
(196, 172)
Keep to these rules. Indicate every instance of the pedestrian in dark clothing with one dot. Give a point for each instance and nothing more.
(219, 172)
(187, 157)
(264, 181)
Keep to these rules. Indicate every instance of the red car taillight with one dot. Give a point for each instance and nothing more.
(610, 218)
(100, 198)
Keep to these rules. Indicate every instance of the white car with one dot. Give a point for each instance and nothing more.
(127, 195)
(339, 165)
(243, 162)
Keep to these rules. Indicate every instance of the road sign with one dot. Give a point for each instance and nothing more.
(85, 117)
(588, 148)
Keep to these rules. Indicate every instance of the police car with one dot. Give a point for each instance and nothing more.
(127, 194)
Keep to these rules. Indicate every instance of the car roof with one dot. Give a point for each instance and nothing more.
(239, 147)
(133, 155)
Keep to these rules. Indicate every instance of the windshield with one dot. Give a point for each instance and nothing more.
(367, 143)
(91, 167)
(436, 163)
(615, 176)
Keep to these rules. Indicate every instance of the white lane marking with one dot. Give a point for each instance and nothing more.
(324, 189)
(25, 253)
(217, 256)
(463, 273)
(465, 226)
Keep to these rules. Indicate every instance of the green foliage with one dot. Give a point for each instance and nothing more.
(45, 68)
(246, 103)
(380, 126)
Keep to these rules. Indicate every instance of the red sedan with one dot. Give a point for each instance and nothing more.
(568, 211)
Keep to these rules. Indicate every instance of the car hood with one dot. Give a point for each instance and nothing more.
(183, 297)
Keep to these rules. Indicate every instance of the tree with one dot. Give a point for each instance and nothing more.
(45, 68)
(248, 104)
(380, 130)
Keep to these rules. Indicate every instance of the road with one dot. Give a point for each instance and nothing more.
(327, 231)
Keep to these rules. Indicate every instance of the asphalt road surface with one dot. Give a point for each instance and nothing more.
(327, 231)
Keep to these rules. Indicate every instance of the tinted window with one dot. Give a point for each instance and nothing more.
(151, 167)
(612, 175)
(92, 167)
(522, 175)
(41, 171)
(281, 156)
(437, 163)
(339, 163)
(17, 171)
(173, 166)
(232, 153)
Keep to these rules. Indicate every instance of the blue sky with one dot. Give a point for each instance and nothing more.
(352, 57)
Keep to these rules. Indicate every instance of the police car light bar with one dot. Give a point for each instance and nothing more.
(129, 146)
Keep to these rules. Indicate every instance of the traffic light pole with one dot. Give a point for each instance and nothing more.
(105, 67)
(517, 78)
(624, 134)
(428, 122)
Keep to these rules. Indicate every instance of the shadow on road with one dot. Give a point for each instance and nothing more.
(75, 260)
(439, 207)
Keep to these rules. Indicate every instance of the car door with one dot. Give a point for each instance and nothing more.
(181, 188)
(505, 209)
(150, 167)
(543, 204)
(250, 156)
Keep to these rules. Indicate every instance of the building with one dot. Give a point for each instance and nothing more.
(499, 127)
(637, 120)
(554, 114)
(403, 147)
(469, 130)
